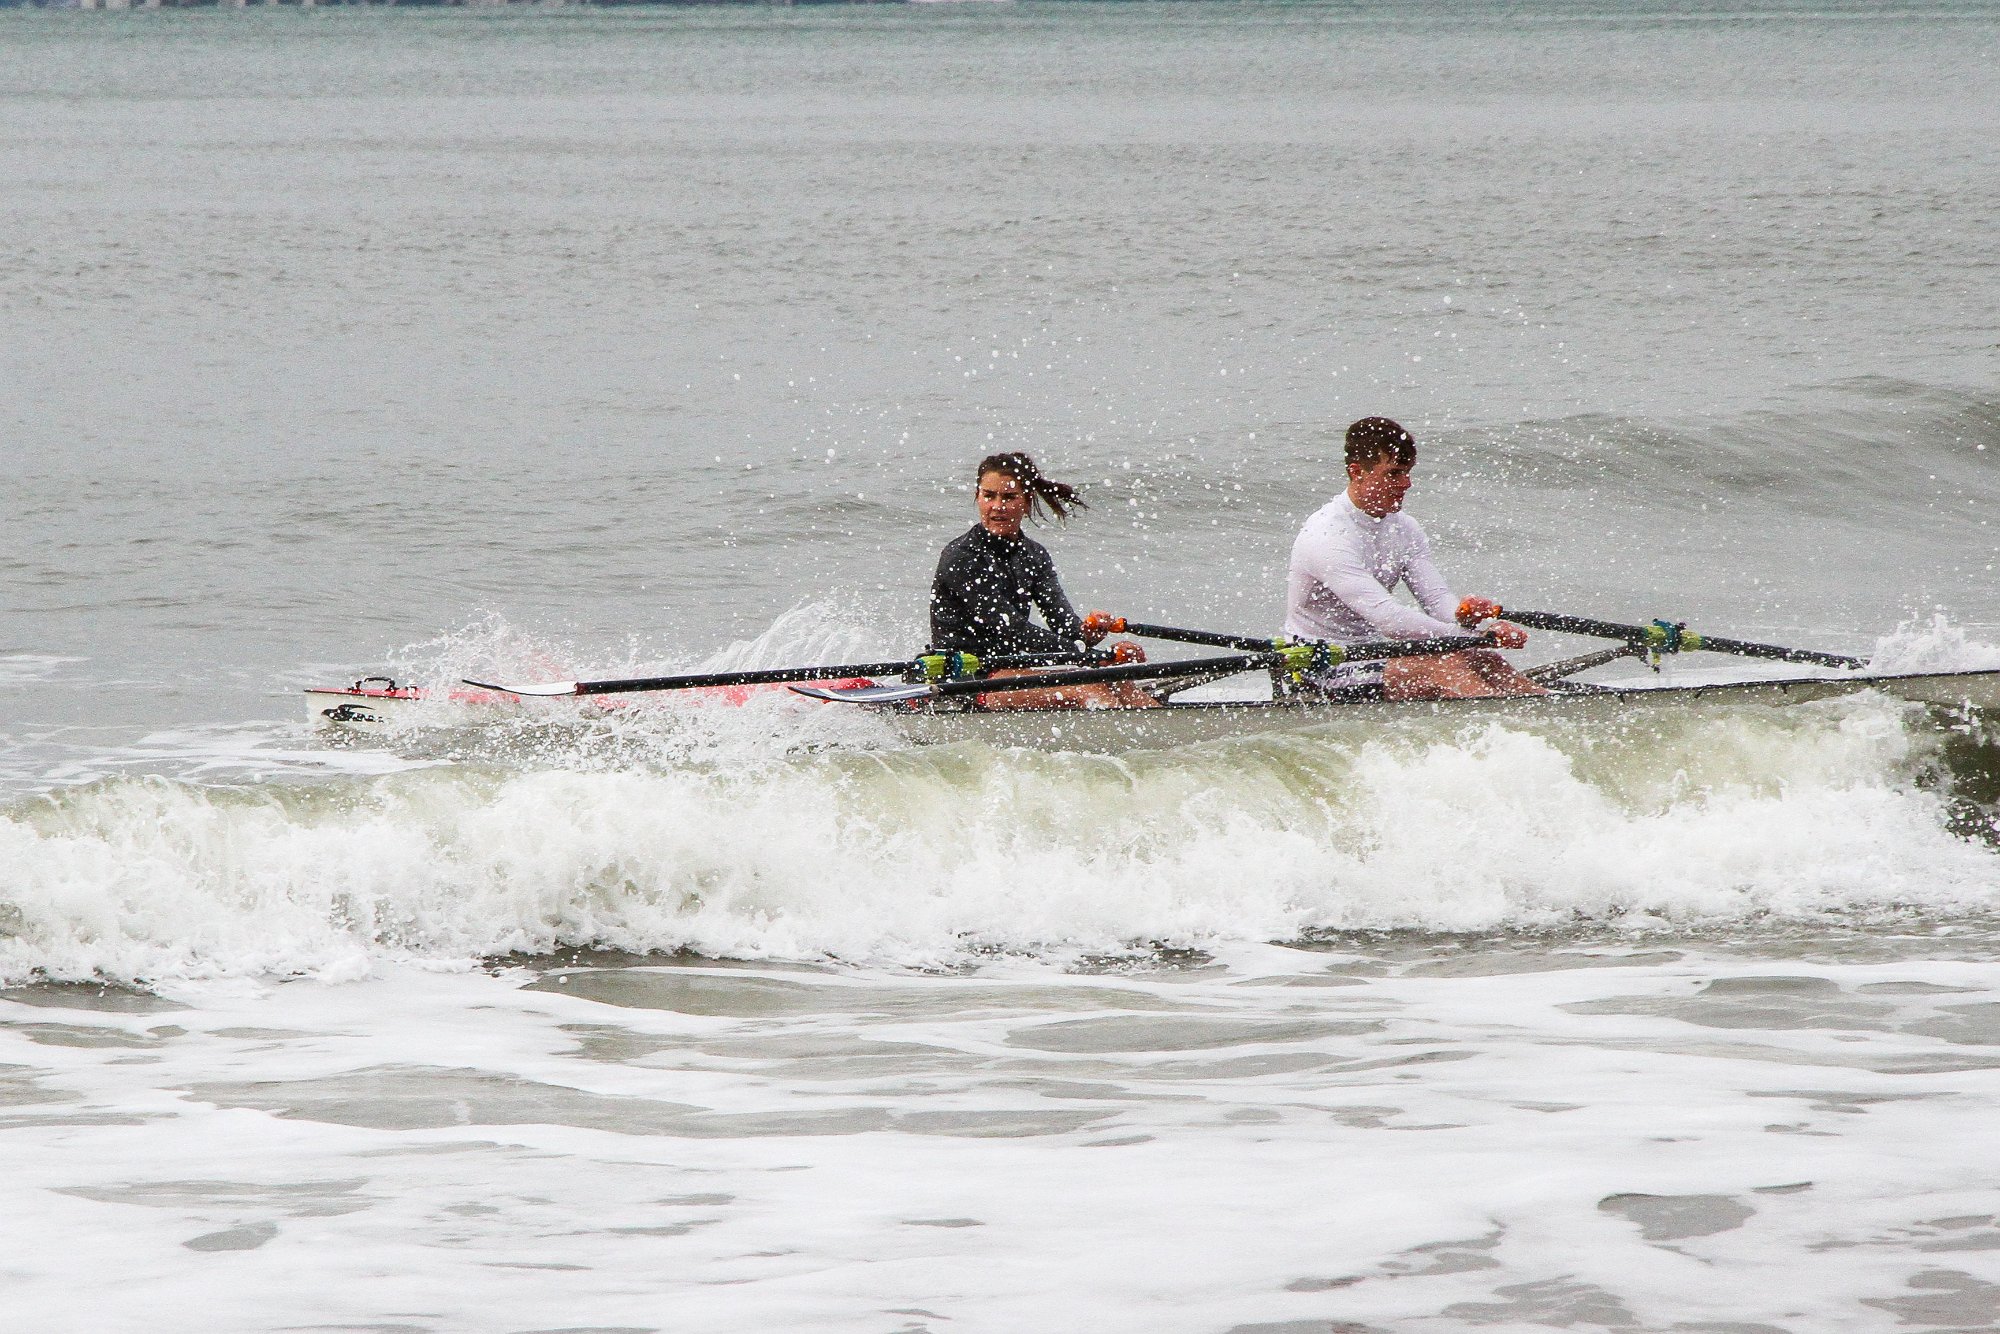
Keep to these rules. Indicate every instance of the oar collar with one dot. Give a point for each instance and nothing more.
(1297, 657)
(944, 666)
(1664, 637)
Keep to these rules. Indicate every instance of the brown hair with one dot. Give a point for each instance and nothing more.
(1059, 497)
(1374, 438)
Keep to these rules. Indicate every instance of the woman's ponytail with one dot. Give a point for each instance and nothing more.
(1059, 497)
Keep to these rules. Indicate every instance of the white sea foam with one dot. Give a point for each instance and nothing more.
(1937, 645)
(1294, 1140)
(20, 668)
(928, 857)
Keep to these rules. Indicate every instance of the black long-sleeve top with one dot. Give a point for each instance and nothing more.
(984, 589)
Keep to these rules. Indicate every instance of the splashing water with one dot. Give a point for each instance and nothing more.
(709, 830)
(1933, 646)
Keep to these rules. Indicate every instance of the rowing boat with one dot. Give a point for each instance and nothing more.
(1182, 722)
(945, 697)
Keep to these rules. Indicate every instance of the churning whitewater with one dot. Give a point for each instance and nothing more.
(788, 831)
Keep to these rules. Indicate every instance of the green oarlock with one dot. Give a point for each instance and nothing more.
(1664, 637)
(946, 666)
(1297, 659)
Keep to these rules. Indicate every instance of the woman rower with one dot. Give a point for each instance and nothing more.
(993, 577)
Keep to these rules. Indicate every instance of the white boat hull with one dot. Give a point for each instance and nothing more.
(1184, 724)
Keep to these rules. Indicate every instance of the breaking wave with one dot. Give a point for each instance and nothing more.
(930, 857)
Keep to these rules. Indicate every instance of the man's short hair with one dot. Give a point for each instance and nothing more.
(1374, 438)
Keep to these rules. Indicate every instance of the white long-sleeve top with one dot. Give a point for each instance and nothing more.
(1346, 563)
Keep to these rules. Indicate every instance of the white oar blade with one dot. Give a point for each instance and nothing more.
(551, 690)
(884, 694)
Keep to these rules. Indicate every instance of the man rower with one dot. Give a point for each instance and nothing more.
(1352, 554)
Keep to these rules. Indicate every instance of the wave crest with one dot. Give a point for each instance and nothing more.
(931, 857)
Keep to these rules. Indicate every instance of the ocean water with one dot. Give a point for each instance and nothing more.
(560, 342)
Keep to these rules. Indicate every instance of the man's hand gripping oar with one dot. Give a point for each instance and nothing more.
(1484, 614)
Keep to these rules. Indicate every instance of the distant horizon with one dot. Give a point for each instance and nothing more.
(1608, 9)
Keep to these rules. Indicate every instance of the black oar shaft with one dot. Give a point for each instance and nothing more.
(1211, 638)
(781, 675)
(1246, 662)
(1652, 635)
(770, 676)
(1385, 648)
(1583, 662)
(1777, 652)
(1377, 649)
(1132, 671)
(1578, 625)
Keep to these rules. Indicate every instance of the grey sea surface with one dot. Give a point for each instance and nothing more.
(328, 331)
(569, 342)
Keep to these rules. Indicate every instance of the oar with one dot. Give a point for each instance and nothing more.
(929, 666)
(1104, 622)
(1672, 637)
(1550, 672)
(1294, 658)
